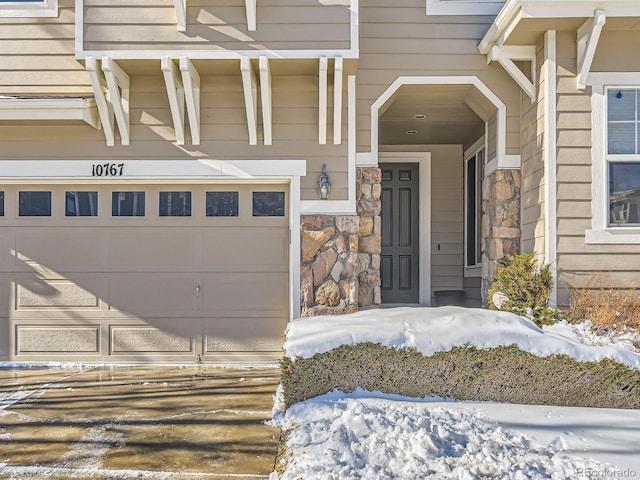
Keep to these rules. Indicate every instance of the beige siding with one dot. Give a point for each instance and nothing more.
(532, 191)
(37, 56)
(617, 265)
(472, 291)
(398, 39)
(211, 25)
(223, 130)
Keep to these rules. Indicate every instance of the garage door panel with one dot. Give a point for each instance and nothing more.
(241, 246)
(235, 293)
(54, 294)
(244, 335)
(42, 246)
(155, 248)
(5, 254)
(76, 340)
(150, 340)
(153, 294)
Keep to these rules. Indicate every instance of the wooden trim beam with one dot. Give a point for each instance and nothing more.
(322, 100)
(175, 92)
(118, 88)
(249, 84)
(191, 83)
(337, 100)
(105, 111)
(265, 95)
(251, 8)
(588, 36)
(181, 14)
(505, 55)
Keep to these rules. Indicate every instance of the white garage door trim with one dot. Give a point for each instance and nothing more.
(115, 171)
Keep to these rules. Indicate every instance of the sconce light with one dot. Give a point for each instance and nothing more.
(324, 185)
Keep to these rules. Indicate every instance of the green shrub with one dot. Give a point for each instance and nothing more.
(527, 289)
(503, 374)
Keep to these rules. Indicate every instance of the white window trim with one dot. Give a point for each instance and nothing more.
(464, 7)
(481, 144)
(600, 232)
(46, 8)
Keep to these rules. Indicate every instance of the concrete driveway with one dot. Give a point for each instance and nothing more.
(177, 422)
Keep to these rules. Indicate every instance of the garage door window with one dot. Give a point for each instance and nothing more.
(127, 204)
(222, 204)
(175, 204)
(268, 204)
(1, 204)
(34, 204)
(81, 204)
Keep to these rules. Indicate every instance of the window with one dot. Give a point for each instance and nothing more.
(81, 204)
(175, 204)
(268, 204)
(1, 204)
(28, 8)
(222, 204)
(474, 174)
(464, 7)
(127, 204)
(34, 204)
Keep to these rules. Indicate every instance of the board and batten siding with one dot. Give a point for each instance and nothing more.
(617, 265)
(399, 39)
(37, 55)
(532, 196)
(151, 25)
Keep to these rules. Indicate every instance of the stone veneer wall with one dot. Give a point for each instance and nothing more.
(500, 222)
(340, 269)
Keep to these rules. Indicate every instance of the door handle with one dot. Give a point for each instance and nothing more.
(197, 288)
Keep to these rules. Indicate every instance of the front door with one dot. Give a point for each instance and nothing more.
(400, 219)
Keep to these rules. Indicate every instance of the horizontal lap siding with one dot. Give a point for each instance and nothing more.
(281, 25)
(617, 265)
(37, 56)
(224, 131)
(399, 39)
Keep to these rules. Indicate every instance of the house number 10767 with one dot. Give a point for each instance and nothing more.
(107, 169)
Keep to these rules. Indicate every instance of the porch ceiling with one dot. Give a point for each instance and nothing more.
(447, 117)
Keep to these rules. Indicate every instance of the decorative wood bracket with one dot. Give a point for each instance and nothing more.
(118, 87)
(191, 83)
(322, 100)
(175, 92)
(505, 55)
(588, 37)
(105, 110)
(337, 100)
(181, 14)
(250, 87)
(265, 95)
(251, 8)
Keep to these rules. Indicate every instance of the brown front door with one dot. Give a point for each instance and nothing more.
(400, 248)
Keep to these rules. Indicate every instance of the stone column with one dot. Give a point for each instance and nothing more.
(368, 191)
(500, 222)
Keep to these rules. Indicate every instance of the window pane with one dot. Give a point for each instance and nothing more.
(1, 204)
(624, 193)
(621, 105)
(268, 204)
(34, 204)
(175, 204)
(127, 204)
(222, 204)
(622, 138)
(81, 204)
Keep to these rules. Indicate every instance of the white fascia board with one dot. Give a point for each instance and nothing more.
(175, 93)
(45, 8)
(458, 7)
(217, 54)
(191, 82)
(588, 36)
(265, 96)
(181, 14)
(62, 108)
(105, 111)
(250, 87)
(139, 170)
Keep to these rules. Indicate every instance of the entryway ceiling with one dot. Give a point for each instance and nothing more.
(448, 119)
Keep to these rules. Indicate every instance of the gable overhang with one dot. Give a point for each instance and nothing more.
(515, 29)
(50, 108)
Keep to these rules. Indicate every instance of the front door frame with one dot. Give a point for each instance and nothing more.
(423, 159)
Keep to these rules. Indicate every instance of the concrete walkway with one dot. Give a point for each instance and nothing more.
(177, 422)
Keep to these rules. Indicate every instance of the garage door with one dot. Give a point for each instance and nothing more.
(162, 273)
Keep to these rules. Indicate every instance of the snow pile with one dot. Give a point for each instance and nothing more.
(432, 330)
(339, 436)
(586, 333)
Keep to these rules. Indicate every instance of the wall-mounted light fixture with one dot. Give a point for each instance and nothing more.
(324, 185)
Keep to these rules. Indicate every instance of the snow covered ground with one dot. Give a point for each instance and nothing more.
(367, 435)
